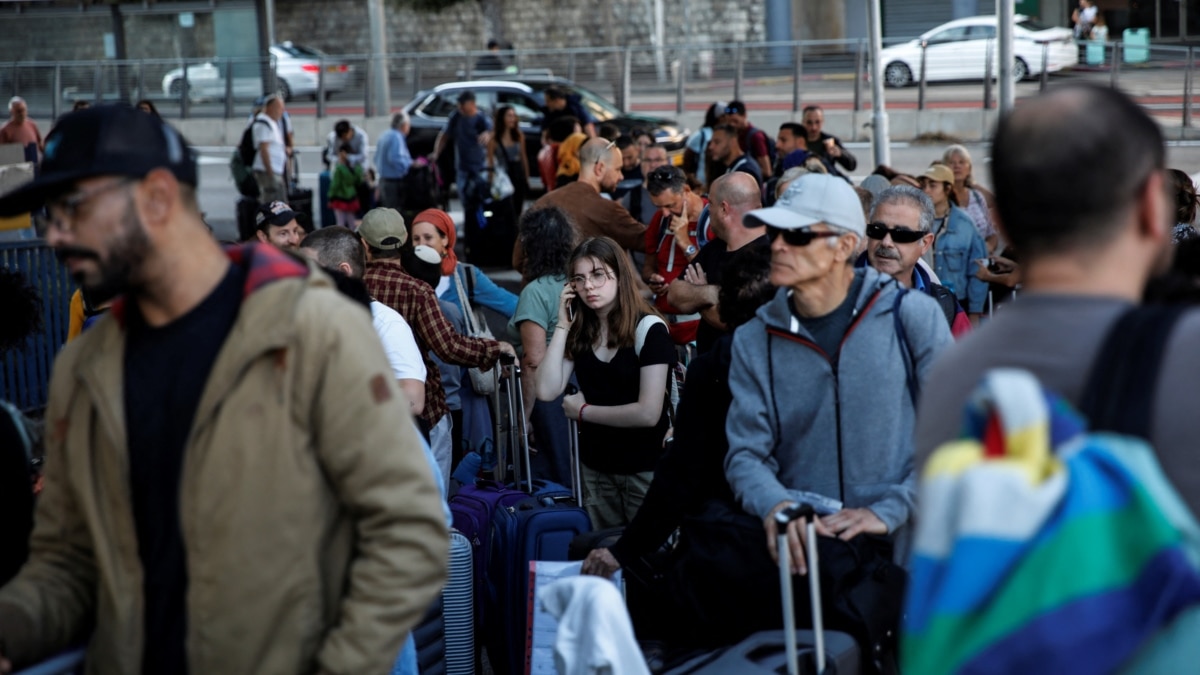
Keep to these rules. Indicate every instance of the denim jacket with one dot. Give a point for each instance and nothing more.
(954, 253)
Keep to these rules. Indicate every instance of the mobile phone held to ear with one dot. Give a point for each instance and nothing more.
(571, 311)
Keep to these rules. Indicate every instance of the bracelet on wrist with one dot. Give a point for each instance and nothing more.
(581, 409)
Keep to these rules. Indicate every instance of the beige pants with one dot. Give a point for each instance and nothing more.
(613, 498)
(270, 187)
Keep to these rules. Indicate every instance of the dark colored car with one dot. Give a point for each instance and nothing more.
(431, 108)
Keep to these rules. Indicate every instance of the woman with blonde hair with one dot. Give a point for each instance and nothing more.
(619, 350)
(972, 198)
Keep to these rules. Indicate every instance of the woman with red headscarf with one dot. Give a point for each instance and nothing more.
(434, 228)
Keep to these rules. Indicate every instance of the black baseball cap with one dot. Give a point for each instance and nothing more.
(103, 140)
(735, 108)
(276, 213)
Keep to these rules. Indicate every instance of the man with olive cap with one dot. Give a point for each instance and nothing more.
(823, 383)
(228, 488)
(384, 232)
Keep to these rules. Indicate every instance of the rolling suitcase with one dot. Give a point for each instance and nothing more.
(327, 217)
(299, 198)
(791, 651)
(540, 526)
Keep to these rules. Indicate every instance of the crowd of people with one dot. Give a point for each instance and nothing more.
(247, 458)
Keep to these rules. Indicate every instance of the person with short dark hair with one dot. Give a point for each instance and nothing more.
(345, 133)
(826, 146)
(1084, 264)
(562, 103)
(490, 62)
(724, 148)
(753, 141)
(147, 106)
(609, 131)
(471, 131)
(1183, 190)
(248, 414)
(671, 242)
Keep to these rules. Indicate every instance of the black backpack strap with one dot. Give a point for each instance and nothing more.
(905, 351)
(1121, 387)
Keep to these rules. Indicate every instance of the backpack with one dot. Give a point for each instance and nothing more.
(772, 151)
(1049, 541)
(674, 377)
(242, 162)
(420, 186)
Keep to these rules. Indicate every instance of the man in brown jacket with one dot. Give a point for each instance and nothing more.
(592, 214)
(233, 482)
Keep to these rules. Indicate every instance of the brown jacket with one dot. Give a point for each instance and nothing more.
(593, 216)
(313, 530)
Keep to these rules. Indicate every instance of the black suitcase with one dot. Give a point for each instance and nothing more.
(247, 208)
(299, 198)
(791, 651)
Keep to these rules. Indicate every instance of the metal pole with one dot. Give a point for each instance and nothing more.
(141, 81)
(571, 66)
(467, 73)
(184, 93)
(879, 119)
(1187, 88)
(987, 78)
(626, 78)
(1006, 10)
(921, 81)
(1045, 78)
(680, 81)
(229, 89)
(1116, 63)
(320, 88)
(381, 85)
(1158, 17)
(737, 76)
(56, 95)
(269, 15)
(417, 75)
(860, 73)
(797, 75)
(98, 83)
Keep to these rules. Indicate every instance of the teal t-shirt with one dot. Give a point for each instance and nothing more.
(539, 303)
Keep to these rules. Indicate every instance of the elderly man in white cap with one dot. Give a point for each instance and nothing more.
(824, 379)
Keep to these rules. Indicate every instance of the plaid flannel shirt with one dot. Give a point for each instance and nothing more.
(387, 281)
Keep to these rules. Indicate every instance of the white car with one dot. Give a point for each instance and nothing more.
(296, 73)
(958, 51)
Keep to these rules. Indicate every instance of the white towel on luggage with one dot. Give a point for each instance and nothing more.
(595, 635)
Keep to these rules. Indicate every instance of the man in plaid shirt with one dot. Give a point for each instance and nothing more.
(384, 232)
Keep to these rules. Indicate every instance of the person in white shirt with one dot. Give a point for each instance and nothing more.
(270, 160)
(340, 250)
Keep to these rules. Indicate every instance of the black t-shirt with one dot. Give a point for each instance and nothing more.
(712, 258)
(166, 369)
(827, 331)
(622, 450)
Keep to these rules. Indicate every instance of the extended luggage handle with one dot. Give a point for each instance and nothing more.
(522, 466)
(573, 444)
(782, 519)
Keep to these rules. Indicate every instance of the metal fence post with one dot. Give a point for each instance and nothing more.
(921, 82)
(14, 80)
(229, 89)
(1116, 63)
(141, 80)
(987, 78)
(467, 66)
(681, 81)
(737, 76)
(184, 91)
(98, 83)
(571, 66)
(56, 95)
(1045, 78)
(627, 78)
(417, 75)
(320, 88)
(860, 64)
(797, 76)
(369, 89)
(1187, 88)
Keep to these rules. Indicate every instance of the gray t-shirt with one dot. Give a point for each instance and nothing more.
(1056, 337)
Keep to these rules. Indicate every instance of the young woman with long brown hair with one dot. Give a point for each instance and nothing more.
(620, 405)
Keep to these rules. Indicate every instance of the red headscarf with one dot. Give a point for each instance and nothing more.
(445, 224)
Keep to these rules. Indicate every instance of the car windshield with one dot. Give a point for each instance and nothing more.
(300, 52)
(1032, 25)
(597, 106)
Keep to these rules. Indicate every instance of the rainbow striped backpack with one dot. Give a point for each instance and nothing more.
(1046, 546)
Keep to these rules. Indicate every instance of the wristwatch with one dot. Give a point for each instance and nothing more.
(691, 250)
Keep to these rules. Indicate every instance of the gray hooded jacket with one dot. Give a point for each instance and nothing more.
(838, 425)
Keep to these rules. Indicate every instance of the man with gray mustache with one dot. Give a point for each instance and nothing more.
(897, 236)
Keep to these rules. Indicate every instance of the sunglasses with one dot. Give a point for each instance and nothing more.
(900, 235)
(800, 237)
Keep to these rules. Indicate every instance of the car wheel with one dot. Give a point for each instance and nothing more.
(1020, 70)
(283, 89)
(897, 75)
(176, 88)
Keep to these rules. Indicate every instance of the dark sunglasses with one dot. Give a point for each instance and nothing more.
(800, 237)
(900, 235)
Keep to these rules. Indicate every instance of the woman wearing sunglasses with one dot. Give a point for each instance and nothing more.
(622, 380)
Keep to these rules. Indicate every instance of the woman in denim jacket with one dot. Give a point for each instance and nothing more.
(957, 243)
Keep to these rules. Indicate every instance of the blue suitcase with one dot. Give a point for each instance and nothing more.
(327, 217)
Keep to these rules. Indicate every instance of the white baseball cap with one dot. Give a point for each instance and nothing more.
(811, 199)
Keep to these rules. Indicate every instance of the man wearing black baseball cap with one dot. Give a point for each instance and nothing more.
(276, 224)
(223, 460)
